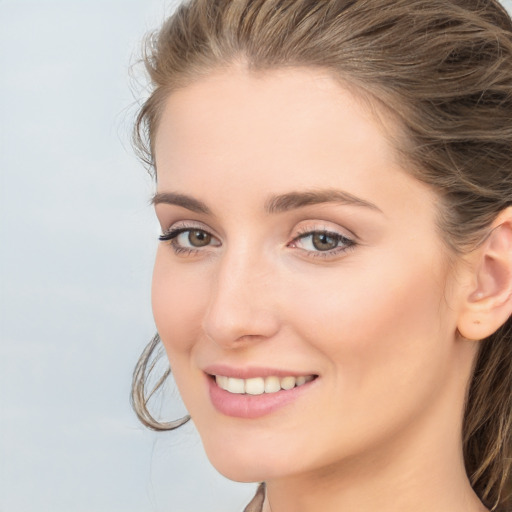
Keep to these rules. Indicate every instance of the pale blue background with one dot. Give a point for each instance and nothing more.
(77, 239)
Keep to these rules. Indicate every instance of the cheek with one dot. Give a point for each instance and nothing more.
(177, 295)
(378, 329)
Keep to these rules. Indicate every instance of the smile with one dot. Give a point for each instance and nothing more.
(255, 396)
(261, 385)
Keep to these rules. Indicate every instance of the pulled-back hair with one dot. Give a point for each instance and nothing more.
(443, 70)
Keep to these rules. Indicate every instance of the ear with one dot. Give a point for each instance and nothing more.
(488, 302)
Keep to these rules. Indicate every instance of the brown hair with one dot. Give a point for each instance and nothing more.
(444, 70)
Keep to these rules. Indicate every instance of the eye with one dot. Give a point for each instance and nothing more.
(324, 243)
(193, 238)
(189, 239)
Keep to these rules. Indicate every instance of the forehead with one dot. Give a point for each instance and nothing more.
(241, 116)
(237, 134)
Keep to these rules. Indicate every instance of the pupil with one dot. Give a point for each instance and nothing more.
(324, 242)
(199, 238)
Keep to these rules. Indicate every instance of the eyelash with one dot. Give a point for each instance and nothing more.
(172, 235)
(348, 243)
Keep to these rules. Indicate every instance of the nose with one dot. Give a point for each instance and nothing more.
(242, 306)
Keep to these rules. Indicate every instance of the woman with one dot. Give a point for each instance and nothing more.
(333, 286)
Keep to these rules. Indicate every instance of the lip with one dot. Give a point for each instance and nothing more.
(252, 406)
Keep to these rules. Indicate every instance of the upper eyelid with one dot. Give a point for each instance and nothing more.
(324, 228)
(296, 232)
(185, 225)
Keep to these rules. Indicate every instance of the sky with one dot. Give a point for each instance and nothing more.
(77, 241)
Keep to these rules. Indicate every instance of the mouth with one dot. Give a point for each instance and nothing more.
(252, 392)
(261, 385)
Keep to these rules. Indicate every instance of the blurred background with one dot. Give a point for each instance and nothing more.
(77, 240)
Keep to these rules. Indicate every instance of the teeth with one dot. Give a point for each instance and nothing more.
(236, 385)
(299, 381)
(260, 385)
(272, 384)
(288, 382)
(222, 381)
(255, 386)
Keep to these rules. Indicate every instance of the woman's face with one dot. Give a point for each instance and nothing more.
(298, 253)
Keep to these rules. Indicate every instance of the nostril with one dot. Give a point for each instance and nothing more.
(229, 333)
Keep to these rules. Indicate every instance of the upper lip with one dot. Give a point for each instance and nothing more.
(250, 372)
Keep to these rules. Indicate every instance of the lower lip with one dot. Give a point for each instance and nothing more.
(252, 406)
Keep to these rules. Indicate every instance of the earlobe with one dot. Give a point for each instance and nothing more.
(488, 304)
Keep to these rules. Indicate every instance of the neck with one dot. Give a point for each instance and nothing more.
(415, 472)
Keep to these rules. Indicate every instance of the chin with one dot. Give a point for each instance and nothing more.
(246, 462)
(242, 471)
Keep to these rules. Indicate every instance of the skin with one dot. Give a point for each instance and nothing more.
(380, 428)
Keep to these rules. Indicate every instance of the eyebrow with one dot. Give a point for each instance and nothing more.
(275, 204)
(293, 200)
(182, 200)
